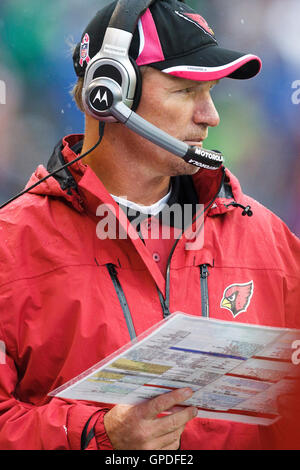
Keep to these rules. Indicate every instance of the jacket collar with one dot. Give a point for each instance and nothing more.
(81, 188)
(79, 185)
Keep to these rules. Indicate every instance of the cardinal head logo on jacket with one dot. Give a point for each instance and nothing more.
(236, 297)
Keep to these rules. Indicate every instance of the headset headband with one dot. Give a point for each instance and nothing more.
(133, 9)
(113, 63)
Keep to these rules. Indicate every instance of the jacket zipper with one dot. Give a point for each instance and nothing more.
(205, 309)
(204, 290)
(122, 299)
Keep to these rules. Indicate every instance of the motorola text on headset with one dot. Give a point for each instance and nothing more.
(112, 87)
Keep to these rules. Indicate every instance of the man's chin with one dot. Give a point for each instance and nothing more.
(183, 168)
(192, 169)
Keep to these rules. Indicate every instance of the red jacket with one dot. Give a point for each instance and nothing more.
(69, 299)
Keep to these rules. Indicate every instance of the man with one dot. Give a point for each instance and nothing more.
(70, 298)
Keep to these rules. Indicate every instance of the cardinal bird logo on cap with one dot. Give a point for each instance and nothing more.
(198, 20)
(236, 297)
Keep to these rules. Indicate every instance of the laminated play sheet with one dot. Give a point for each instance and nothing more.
(236, 370)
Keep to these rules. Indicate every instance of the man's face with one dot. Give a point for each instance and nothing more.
(182, 108)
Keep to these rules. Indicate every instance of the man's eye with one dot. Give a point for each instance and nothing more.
(185, 90)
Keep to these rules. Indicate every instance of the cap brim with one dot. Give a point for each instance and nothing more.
(212, 63)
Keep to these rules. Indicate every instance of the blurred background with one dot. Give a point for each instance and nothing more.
(259, 130)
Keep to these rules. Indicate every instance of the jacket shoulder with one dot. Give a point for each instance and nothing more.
(274, 237)
(34, 233)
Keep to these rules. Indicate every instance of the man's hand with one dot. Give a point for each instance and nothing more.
(138, 427)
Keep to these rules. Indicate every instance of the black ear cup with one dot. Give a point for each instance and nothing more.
(104, 77)
(107, 70)
(112, 72)
(138, 86)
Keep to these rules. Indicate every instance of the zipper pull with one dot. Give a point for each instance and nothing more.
(246, 209)
(204, 290)
(204, 273)
(111, 268)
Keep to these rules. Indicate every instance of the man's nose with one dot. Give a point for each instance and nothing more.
(205, 112)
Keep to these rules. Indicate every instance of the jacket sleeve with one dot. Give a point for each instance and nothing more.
(292, 301)
(57, 425)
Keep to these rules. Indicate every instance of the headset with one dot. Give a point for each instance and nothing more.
(112, 86)
(112, 89)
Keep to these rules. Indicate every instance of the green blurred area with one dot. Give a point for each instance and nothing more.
(28, 32)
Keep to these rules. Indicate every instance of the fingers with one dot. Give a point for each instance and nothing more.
(164, 402)
(170, 441)
(138, 427)
(174, 421)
